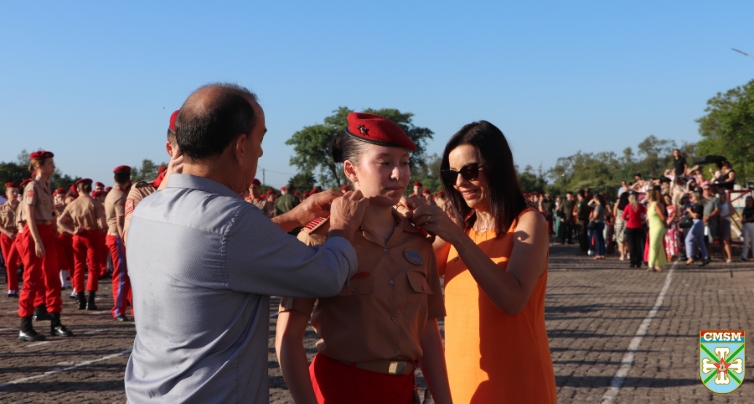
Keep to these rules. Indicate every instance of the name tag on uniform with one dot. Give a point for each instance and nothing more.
(413, 256)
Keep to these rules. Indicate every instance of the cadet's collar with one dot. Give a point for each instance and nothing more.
(200, 183)
(404, 224)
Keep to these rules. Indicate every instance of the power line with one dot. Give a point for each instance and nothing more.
(742, 52)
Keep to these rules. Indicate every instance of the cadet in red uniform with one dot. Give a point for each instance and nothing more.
(115, 212)
(8, 235)
(83, 219)
(40, 255)
(383, 323)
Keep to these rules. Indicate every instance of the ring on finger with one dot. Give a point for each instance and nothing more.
(429, 219)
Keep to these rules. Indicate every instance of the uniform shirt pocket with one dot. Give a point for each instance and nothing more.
(358, 285)
(418, 281)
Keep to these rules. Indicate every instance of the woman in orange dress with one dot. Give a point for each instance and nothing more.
(494, 259)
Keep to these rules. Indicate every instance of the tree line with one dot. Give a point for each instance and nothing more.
(727, 129)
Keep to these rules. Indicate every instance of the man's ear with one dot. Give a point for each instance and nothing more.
(241, 147)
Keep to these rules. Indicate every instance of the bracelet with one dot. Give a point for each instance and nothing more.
(463, 247)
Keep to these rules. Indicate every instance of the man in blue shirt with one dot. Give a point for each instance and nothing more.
(203, 262)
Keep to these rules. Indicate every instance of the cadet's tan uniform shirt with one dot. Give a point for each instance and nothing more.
(138, 192)
(59, 211)
(8, 217)
(115, 206)
(38, 195)
(85, 212)
(382, 312)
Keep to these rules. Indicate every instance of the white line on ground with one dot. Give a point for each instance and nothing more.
(56, 371)
(628, 358)
(41, 343)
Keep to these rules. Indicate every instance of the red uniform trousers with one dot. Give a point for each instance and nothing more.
(12, 258)
(104, 253)
(41, 275)
(121, 282)
(64, 245)
(335, 382)
(86, 250)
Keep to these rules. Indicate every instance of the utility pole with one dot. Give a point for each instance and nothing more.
(743, 53)
(263, 180)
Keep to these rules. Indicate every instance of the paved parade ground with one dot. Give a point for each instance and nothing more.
(616, 335)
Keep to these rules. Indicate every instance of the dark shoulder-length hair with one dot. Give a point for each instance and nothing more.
(506, 201)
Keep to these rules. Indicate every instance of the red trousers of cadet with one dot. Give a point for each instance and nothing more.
(41, 274)
(86, 249)
(9, 248)
(64, 245)
(335, 382)
(104, 253)
(121, 282)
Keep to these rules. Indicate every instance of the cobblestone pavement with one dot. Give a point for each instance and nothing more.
(594, 310)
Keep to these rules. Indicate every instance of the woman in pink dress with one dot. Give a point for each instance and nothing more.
(672, 241)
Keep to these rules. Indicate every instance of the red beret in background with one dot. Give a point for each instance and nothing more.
(417, 184)
(108, 189)
(84, 181)
(41, 154)
(378, 130)
(426, 192)
(173, 117)
(72, 190)
(270, 191)
(26, 182)
(283, 188)
(255, 182)
(11, 185)
(59, 191)
(122, 169)
(99, 184)
(345, 188)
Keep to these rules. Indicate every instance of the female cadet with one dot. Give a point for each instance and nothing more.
(8, 233)
(383, 323)
(40, 256)
(83, 218)
(63, 241)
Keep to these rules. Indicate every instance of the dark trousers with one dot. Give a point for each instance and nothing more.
(584, 235)
(635, 245)
(567, 232)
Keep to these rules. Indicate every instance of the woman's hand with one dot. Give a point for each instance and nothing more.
(434, 221)
(39, 248)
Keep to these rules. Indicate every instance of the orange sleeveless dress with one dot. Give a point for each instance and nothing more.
(493, 357)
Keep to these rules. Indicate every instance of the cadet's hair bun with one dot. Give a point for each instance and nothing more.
(336, 147)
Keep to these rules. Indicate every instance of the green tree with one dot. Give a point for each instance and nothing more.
(728, 129)
(311, 144)
(427, 172)
(302, 182)
(147, 171)
(531, 181)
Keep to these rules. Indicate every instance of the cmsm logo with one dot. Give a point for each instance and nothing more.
(722, 359)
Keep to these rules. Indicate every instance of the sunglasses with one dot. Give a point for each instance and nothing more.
(470, 172)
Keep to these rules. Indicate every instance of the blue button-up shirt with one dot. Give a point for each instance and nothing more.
(203, 263)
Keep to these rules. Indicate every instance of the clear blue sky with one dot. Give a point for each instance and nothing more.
(95, 82)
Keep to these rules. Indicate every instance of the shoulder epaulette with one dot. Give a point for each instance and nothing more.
(315, 224)
(142, 184)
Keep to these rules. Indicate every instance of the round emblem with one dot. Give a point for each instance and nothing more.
(413, 256)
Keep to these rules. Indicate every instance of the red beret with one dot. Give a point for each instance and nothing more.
(283, 188)
(313, 191)
(97, 193)
(84, 181)
(108, 189)
(378, 130)
(345, 187)
(426, 192)
(59, 191)
(122, 169)
(270, 191)
(255, 182)
(441, 192)
(41, 154)
(160, 177)
(296, 193)
(26, 181)
(11, 185)
(173, 117)
(162, 169)
(99, 184)
(417, 184)
(72, 190)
